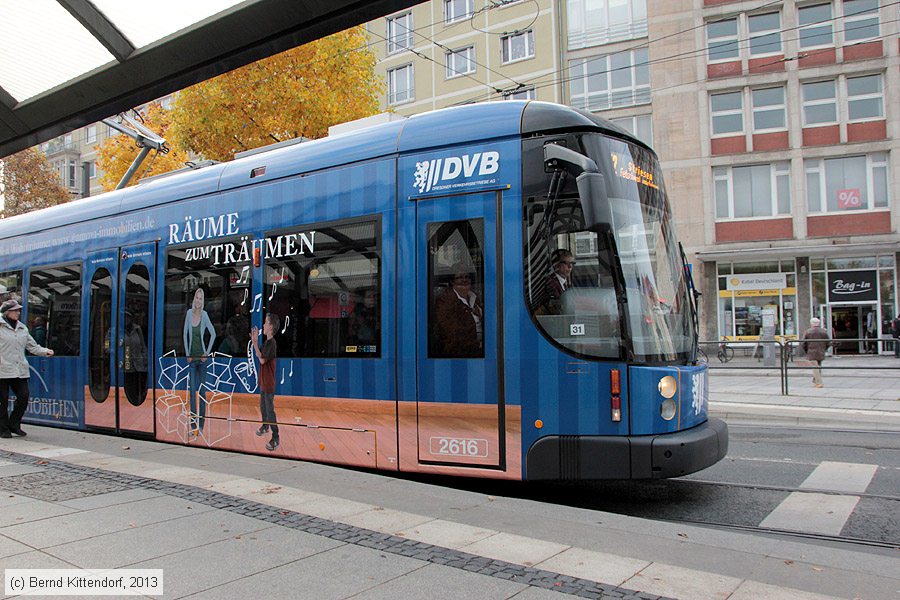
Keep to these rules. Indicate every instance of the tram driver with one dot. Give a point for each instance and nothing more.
(559, 280)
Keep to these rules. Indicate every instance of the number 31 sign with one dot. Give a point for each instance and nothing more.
(849, 198)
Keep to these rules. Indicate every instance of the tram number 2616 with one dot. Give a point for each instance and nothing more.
(448, 446)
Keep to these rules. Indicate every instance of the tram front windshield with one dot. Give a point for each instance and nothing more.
(623, 293)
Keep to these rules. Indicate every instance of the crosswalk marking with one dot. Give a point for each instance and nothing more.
(823, 513)
(840, 477)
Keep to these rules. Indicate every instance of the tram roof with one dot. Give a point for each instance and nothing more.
(452, 126)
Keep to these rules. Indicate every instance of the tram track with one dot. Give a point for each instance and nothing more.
(808, 535)
(791, 490)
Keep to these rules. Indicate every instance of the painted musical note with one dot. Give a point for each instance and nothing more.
(257, 303)
(291, 374)
(246, 295)
(282, 375)
(272, 293)
(245, 275)
(287, 319)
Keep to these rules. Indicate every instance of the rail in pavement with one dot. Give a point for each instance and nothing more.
(271, 507)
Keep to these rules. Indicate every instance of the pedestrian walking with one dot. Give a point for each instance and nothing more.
(895, 333)
(815, 343)
(14, 371)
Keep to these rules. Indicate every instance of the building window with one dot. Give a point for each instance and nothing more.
(751, 291)
(768, 109)
(517, 46)
(865, 98)
(456, 10)
(765, 34)
(847, 183)
(596, 22)
(722, 40)
(328, 295)
(90, 134)
(401, 87)
(860, 20)
(726, 39)
(727, 113)
(640, 126)
(54, 297)
(71, 171)
(523, 94)
(399, 33)
(819, 103)
(752, 191)
(610, 81)
(460, 62)
(816, 26)
(92, 170)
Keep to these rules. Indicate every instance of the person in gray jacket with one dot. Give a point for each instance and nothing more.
(14, 371)
(815, 343)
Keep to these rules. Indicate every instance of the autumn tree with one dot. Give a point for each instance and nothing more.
(117, 153)
(28, 182)
(300, 92)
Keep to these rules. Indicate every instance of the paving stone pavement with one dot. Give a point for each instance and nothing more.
(63, 481)
(226, 525)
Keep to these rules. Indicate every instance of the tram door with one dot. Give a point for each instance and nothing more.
(459, 403)
(119, 392)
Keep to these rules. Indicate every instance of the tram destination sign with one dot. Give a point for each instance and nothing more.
(853, 286)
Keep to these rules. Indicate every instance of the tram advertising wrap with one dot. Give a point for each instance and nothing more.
(493, 290)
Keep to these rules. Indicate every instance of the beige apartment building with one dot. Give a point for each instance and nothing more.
(773, 124)
(74, 158)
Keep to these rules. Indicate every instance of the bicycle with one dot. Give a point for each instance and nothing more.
(701, 355)
(725, 352)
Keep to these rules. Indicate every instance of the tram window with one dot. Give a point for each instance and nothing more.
(137, 308)
(10, 285)
(99, 335)
(456, 289)
(226, 298)
(54, 308)
(327, 294)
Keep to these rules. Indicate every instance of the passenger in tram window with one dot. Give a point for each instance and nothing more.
(135, 363)
(364, 320)
(559, 280)
(197, 348)
(267, 356)
(231, 345)
(14, 371)
(459, 319)
(39, 330)
(815, 342)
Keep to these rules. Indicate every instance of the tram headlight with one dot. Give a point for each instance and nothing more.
(667, 409)
(667, 386)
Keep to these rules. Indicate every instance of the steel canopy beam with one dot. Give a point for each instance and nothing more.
(212, 47)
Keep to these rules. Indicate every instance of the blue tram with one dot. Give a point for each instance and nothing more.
(493, 290)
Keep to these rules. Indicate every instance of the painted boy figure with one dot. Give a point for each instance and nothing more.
(266, 356)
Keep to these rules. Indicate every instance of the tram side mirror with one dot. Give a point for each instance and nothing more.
(595, 206)
(591, 184)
